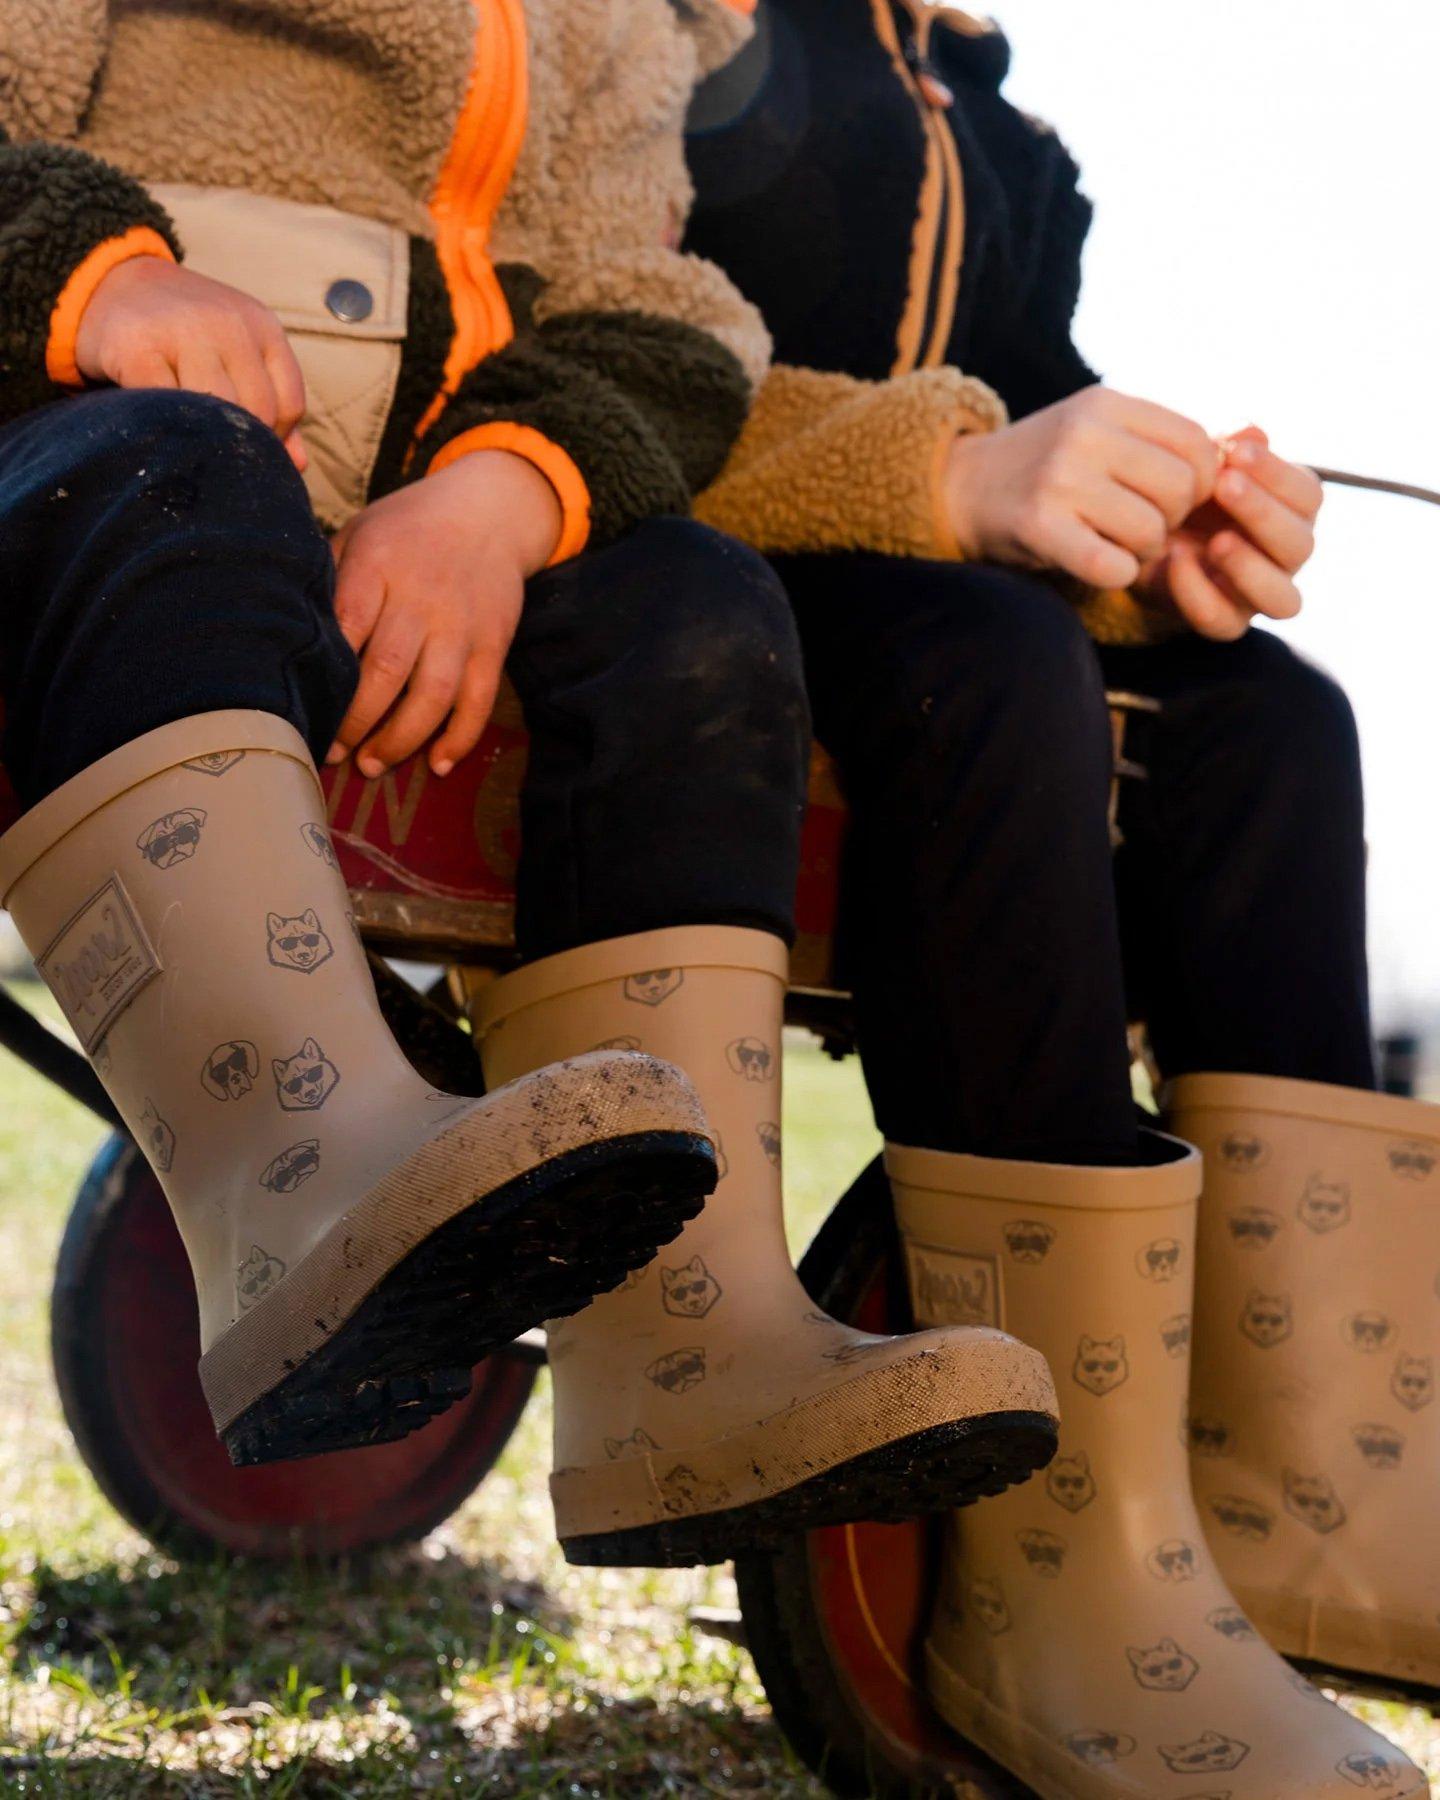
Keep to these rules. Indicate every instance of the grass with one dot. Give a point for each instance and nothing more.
(477, 1663)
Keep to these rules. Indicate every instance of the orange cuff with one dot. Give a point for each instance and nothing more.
(79, 290)
(553, 463)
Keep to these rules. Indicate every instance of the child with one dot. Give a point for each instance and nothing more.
(501, 388)
(995, 954)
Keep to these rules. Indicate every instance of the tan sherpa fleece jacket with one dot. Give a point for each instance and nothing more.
(532, 149)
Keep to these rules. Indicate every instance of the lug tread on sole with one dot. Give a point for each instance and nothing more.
(930, 1471)
(541, 1247)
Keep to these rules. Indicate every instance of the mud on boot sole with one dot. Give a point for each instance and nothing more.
(931, 1471)
(540, 1247)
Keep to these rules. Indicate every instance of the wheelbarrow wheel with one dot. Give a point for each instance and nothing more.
(125, 1344)
(836, 1620)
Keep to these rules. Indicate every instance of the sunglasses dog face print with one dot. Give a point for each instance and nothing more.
(173, 838)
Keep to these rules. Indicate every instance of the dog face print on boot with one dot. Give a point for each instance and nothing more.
(256, 1276)
(1254, 1227)
(1029, 1241)
(1369, 1332)
(317, 841)
(292, 1168)
(1100, 1365)
(1325, 1205)
(157, 1137)
(638, 1442)
(1174, 1561)
(1043, 1552)
(1159, 1261)
(1243, 1153)
(1207, 1437)
(1369, 1769)
(1413, 1383)
(173, 838)
(1165, 1669)
(1175, 1334)
(1231, 1623)
(987, 1602)
(215, 762)
(1382, 1447)
(749, 1057)
(306, 1080)
(1100, 1748)
(1413, 1161)
(769, 1135)
(230, 1069)
(1313, 1501)
(1069, 1483)
(1209, 1754)
(1268, 1319)
(679, 1371)
(654, 986)
(688, 1292)
(298, 943)
(683, 1491)
(1242, 1518)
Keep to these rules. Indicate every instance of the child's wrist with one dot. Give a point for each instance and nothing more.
(519, 498)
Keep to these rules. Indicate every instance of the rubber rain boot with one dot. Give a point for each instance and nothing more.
(708, 1407)
(1316, 1440)
(1083, 1637)
(358, 1240)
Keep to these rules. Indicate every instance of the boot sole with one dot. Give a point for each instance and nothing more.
(931, 1471)
(539, 1247)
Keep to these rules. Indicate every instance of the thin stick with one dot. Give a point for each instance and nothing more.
(1339, 478)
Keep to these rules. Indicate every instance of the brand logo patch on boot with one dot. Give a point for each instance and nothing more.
(948, 1287)
(98, 962)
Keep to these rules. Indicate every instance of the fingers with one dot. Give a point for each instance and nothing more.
(1299, 488)
(429, 695)
(1127, 519)
(1259, 581)
(1201, 602)
(1066, 542)
(1284, 535)
(359, 590)
(201, 371)
(288, 382)
(473, 707)
(389, 657)
(148, 370)
(1173, 432)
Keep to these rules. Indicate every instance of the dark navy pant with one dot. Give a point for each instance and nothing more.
(159, 559)
(994, 943)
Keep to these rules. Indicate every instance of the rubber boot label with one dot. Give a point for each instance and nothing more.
(948, 1287)
(99, 962)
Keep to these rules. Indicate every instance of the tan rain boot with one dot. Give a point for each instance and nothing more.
(358, 1240)
(708, 1406)
(1316, 1433)
(1083, 1638)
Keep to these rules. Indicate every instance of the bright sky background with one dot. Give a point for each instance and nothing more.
(1267, 248)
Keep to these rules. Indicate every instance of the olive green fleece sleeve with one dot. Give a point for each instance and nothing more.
(57, 205)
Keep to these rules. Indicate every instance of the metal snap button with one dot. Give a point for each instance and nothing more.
(351, 301)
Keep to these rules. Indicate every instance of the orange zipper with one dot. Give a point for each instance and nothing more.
(478, 168)
(934, 283)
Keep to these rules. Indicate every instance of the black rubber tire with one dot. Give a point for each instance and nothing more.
(825, 1719)
(125, 1367)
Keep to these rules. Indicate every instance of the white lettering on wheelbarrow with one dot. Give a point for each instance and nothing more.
(99, 962)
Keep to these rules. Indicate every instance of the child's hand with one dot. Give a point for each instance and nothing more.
(432, 579)
(1218, 577)
(156, 324)
(1093, 486)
